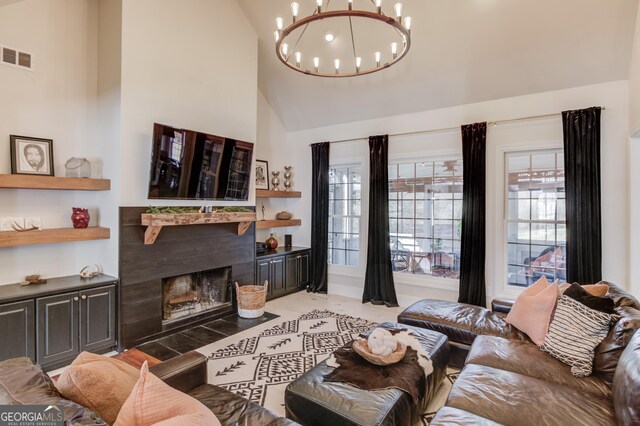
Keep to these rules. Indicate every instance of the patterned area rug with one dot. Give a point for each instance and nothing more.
(260, 367)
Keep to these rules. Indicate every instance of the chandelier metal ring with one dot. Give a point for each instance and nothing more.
(318, 16)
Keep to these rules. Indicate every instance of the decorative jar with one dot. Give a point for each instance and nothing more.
(80, 217)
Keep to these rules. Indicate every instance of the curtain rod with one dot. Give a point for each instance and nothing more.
(448, 129)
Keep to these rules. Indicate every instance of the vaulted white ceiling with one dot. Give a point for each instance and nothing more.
(463, 51)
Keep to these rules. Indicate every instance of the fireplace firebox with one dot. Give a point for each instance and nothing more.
(188, 295)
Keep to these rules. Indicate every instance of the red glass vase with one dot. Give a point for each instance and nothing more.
(80, 217)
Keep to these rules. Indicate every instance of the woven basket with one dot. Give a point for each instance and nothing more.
(251, 300)
(362, 348)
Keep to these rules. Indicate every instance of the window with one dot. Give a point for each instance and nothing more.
(536, 227)
(425, 217)
(345, 198)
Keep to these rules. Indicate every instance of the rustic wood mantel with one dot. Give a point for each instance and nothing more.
(155, 222)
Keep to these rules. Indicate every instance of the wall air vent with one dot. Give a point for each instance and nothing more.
(9, 56)
(14, 57)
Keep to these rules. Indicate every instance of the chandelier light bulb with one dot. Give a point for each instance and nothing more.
(379, 5)
(358, 63)
(298, 58)
(279, 23)
(337, 64)
(319, 3)
(394, 50)
(378, 56)
(295, 8)
(350, 4)
(329, 37)
(316, 63)
(276, 35)
(285, 50)
(407, 23)
(398, 9)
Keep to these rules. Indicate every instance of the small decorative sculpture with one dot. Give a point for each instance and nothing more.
(86, 272)
(263, 211)
(287, 178)
(275, 181)
(80, 217)
(381, 342)
(34, 279)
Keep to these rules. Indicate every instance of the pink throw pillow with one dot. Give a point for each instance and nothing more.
(154, 402)
(532, 310)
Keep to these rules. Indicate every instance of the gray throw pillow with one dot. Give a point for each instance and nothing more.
(574, 333)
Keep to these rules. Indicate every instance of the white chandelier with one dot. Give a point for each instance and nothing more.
(289, 54)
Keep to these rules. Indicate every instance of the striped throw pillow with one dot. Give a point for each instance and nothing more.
(574, 333)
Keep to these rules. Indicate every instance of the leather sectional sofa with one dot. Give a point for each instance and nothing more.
(24, 383)
(508, 380)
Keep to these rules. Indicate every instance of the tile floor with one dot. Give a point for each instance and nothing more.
(196, 337)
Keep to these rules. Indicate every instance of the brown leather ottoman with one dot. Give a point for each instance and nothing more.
(460, 322)
(309, 400)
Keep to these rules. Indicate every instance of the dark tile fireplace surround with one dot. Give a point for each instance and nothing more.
(190, 262)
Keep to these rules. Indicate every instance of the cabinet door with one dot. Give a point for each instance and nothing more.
(263, 273)
(17, 330)
(277, 274)
(57, 328)
(97, 318)
(303, 269)
(291, 273)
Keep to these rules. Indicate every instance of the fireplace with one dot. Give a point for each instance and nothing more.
(170, 269)
(189, 295)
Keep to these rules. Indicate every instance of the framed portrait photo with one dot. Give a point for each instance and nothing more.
(262, 174)
(31, 156)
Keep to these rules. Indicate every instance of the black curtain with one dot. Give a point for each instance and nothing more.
(582, 186)
(378, 281)
(473, 244)
(319, 217)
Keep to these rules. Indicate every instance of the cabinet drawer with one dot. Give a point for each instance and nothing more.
(17, 330)
(97, 318)
(57, 328)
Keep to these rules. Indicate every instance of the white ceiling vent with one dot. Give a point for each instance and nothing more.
(16, 58)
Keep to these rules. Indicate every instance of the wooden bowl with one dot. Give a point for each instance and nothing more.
(284, 215)
(362, 348)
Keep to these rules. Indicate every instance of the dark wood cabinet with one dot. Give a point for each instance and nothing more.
(57, 328)
(263, 272)
(273, 271)
(74, 322)
(277, 275)
(287, 270)
(17, 330)
(298, 270)
(54, 322)
(97, 318)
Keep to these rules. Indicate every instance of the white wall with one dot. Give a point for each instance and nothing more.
(272, 147)
(634, 159)
(109, 100)
(634, 82)
(190, 64)
(56, 100)
(521, 135)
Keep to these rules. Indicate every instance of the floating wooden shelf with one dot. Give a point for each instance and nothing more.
(266, 224)
(263, 193)
(155, 222)
(50, 236)
(52, 182)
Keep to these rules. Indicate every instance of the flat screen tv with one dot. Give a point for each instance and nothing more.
(189, 165)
